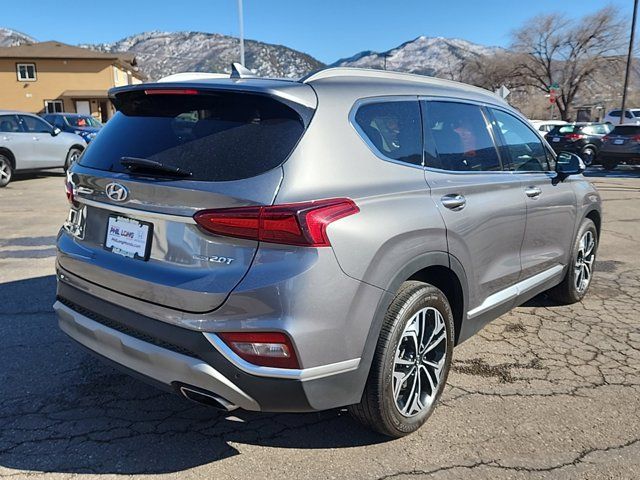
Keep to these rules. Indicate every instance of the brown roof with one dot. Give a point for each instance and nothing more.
(53, 49)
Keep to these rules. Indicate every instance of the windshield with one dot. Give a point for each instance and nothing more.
(82, 121)
(216, 136)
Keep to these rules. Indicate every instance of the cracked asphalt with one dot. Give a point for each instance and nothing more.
(543, 392)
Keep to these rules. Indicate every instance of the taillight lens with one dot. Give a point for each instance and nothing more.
(304, 224)
(636, 138)
(572, 137)
(68, 188)
(267, 349)
(606, 139)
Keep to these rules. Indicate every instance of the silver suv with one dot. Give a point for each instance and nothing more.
(28, 143)
(296, 246)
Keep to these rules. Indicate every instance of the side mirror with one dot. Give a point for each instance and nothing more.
(55, 131)
(569, 164)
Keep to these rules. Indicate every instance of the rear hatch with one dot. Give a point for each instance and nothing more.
(623, 139)
(564, 136)
(168, 153)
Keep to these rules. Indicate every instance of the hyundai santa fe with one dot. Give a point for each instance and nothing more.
(295, 246)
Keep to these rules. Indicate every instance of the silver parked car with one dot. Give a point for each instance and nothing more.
(297, 246)
(27, 142)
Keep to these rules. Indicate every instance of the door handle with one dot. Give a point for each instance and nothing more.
(454, 201)
(5, 139)
(36, 139)
(532, 192)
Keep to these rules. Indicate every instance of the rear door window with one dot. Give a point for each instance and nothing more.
(9, 124)
(460, 135)
(393, 128)
(626, 130)
(217, 136)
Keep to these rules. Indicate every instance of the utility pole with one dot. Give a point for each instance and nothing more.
(629, 58)
(241, 21)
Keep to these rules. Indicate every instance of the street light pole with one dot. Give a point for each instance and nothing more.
(241, 21)
(629, 58)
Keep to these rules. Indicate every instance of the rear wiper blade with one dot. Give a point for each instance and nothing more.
(134, 163)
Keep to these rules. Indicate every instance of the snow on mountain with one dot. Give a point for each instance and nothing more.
(13, 38)
(435, 56)
(164, 53)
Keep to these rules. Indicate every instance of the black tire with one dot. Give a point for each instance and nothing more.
(567, 292)
(609, 164)
(72, 156)
(378, 408)
(6, 171)
(588, 156)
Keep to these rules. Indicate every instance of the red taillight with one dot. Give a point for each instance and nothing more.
(606, 139)
(572, 137)
(304, 224)
(68, 188)
(636, 138)
(267, 349)
(171, 91)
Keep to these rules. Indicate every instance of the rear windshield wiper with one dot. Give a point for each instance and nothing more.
(133, 163)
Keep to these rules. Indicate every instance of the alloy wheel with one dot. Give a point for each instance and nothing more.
(418, 363)
(584, 261)
(5, 171)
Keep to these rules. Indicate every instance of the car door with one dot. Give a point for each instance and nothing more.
(481, 203)
(16, 140)
(49, 150)
(550, 201)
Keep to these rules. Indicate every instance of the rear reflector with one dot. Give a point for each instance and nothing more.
(267, 349)
(304, 224)
(171, 91)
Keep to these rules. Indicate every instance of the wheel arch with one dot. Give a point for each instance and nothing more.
(10, 156)
(78, 146)
(596, 218)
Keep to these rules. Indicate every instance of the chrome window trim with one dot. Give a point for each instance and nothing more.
(382, 99)
(514, 291)
(304, 374)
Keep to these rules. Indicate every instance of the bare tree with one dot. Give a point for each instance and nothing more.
(554, 50)
(492, 71)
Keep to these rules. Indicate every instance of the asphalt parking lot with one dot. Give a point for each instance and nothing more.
(542, 392)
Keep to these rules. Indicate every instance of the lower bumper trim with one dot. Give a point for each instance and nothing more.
(160, 364)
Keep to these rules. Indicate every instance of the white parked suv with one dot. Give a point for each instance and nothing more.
(631, 116)
(545, 126)
(27, 142)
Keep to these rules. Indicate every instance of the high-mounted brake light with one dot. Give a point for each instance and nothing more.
(267, 349)
(171, 91)
(304, 224)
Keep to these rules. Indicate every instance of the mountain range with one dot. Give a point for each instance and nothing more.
(163, 53)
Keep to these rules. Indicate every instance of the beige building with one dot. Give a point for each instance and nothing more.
(54, 77)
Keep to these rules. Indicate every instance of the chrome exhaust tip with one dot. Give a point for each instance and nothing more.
(205, 398)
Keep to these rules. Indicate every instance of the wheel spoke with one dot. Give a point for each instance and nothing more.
(417, 367)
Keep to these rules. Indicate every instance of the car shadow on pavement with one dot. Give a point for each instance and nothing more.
(61, 410)
(623, 171)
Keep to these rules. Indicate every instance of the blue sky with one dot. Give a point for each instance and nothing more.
(326, 29)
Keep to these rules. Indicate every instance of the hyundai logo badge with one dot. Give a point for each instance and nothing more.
(117, 192)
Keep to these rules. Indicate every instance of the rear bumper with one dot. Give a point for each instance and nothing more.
(170, 356)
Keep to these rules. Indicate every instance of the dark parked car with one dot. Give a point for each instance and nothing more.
(584, 139)
(621, 145)
(84, 125)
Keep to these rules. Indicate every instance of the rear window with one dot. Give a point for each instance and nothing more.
(629, 130)
(215, 136)
(562, 129)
